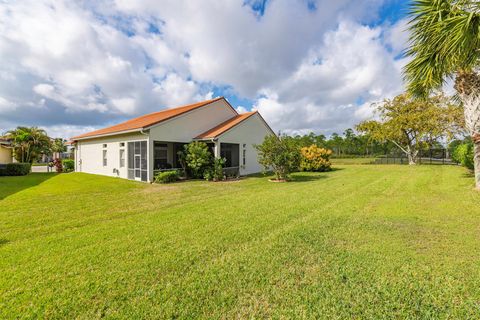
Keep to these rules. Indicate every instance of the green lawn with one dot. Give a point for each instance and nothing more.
(361, 241)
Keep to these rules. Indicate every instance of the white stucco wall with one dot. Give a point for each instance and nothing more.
(89, 154)
(250, 132)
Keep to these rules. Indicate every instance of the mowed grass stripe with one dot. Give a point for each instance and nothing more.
(356, 242)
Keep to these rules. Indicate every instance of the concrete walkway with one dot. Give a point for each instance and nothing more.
(44, 168)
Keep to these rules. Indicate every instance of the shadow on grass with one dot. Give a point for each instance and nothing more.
(299, 176)
(3, 242)
(12, 185)
(312, 176)
(305, 178)
(468, 175)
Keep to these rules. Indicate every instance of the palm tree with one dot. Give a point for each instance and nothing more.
(445, 44)
(58, 146)
(28, 143)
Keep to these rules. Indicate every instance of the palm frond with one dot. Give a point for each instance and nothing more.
(444, 38)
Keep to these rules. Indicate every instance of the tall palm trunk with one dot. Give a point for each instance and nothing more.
(467, 85)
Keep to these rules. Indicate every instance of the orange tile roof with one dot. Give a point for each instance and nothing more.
(225, 126)
(146, 120)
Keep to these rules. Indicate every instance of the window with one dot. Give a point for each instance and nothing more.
(104, 158)
(104, 145)
(122, 158)
(160, 156)
(122, 144)
(137, 160)
(244, 154)
(231, 152)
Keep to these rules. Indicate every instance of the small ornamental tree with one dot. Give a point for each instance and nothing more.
(414, 124)
(198, 158)
(315, 159)
(279, 154)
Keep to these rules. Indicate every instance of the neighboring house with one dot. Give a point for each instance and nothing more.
(5, 152)
(135, 149)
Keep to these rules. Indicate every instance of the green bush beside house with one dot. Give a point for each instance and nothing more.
(15, 169)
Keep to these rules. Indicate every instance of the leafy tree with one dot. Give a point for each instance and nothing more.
(413, 124)
(336, 143)
(198, 158)
(58, 146)
(352, 143)
(280, 154)
(445, 43)
(29, 143)
(463, 154)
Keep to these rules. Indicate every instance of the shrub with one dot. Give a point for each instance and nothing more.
(279, 154)
(15, 169)
(57, 163)
(463, 154)
(315, 159)
(215, 172)
(198, 158)
(167, 176)
(68, 165)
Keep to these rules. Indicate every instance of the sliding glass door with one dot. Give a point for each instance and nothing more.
(137, 160)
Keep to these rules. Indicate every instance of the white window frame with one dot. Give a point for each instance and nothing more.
(122, 163)
(104, 157)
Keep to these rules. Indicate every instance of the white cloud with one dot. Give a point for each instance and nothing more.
(397, 36)
(68, 65)
(322, 94)
(6, 106)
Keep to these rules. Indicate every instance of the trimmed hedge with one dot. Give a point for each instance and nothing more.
(167, 176)
(68, 165)
(15, 169)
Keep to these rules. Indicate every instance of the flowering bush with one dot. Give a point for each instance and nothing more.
(315, 159)
(57, 163)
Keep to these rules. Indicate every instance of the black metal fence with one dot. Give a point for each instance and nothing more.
(432, 156)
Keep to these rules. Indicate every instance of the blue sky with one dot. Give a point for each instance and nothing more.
(306, 65)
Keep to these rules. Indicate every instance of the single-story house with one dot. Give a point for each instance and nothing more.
(5, 152)
(138, 148)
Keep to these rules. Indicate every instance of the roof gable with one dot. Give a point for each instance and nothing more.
(148, 120)
(225, 126)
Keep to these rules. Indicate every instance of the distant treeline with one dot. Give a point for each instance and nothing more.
(351, 143)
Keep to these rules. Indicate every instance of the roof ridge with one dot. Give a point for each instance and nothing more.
(200, 103)
(225, 125)
(129, 125)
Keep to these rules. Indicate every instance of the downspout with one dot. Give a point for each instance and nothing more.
(214, 140)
